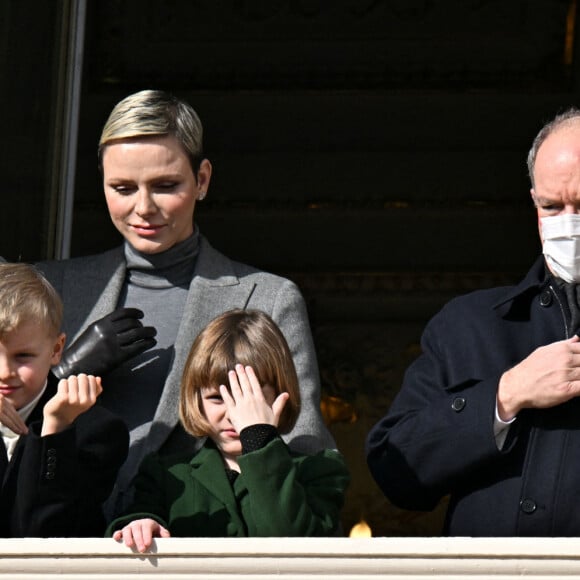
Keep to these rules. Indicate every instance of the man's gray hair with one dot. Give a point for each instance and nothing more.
(569, 117)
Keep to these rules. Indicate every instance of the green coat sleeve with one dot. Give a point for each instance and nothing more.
(292, 495)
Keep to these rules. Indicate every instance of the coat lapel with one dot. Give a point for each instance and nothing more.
(99, 292)
(207, 469)
(214, 289)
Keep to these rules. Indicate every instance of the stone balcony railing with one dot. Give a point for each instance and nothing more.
(294, 558)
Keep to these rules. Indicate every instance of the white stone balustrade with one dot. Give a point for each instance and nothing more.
(294, 558)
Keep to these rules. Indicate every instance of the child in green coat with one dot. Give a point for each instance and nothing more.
(244, 481)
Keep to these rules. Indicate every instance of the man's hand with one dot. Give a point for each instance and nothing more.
(549, 376)
(74, 396)
(107, 343)
(140, 534)
(10, 418)
(247, 404)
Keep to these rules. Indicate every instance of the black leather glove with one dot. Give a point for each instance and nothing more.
(107, 343)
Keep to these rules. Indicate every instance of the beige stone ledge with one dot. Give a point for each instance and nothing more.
(294, 558)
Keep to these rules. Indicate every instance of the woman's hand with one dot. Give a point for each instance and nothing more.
(249, 403)
(140, 534)
(106, 343)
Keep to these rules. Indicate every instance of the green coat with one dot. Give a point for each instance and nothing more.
(278, 493)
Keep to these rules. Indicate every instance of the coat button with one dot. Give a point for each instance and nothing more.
(545, 298)
(528, 506)
(458, 404)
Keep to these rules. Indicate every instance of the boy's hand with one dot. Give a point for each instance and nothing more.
(74, 396)
(140, 534)
(10, 418)
(247, 404)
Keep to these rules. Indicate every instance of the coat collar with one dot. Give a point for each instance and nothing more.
(103, 280)
(98, 292)
(207, 467)
(49, 392)
(533, 282)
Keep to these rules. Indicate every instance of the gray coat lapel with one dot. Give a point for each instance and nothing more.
(214, 289)
(97, 295)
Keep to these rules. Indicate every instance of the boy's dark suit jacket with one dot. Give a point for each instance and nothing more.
(54, 486)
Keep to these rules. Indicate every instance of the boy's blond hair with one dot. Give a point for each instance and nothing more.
(26, 296)
(247, 337)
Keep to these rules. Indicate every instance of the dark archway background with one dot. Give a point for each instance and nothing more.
(371, 150)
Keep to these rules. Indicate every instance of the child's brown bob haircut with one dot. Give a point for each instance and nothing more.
(26, 296)
(246, 337)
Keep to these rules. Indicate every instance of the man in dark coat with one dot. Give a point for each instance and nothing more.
(489, 414)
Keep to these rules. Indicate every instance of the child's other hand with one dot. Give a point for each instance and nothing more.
(10, 418)
(74, 396)
(140, 534)
(249, 402)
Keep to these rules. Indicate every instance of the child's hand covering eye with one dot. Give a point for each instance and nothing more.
(249, 403)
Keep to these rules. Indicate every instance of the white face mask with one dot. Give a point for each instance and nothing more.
(561, 235)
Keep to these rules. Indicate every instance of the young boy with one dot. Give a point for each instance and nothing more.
(59, 452)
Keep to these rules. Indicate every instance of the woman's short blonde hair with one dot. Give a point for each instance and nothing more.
(152, 113)
(247, 337)
(26, 296)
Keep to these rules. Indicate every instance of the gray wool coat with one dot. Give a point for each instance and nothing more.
(90, 287)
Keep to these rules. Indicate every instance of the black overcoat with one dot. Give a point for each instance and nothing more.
(437, 438)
